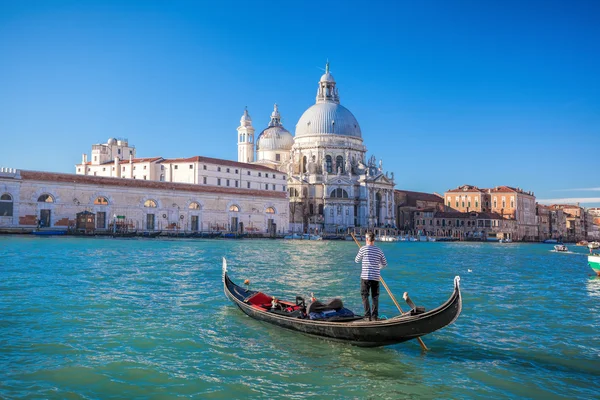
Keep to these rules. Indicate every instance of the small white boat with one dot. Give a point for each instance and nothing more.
(505, 240)
(561, 247)
(594, 245)
(387, 238)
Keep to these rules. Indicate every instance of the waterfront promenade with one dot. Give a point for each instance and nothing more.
(147, 318)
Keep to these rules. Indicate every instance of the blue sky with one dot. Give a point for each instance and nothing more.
(446, 92)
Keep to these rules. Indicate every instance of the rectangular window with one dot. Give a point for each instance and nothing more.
(219, 181)
(6, 208)
(204, 180)
(144, 177)
(248, 172)
(227, 169)
(162, 167)
(100, 220)
(144, 166)
(236, 171)
(219, 169)
(259, 174)
(204, 167)
(236, 183)
(103, 169)
(284, 188)
(273, 187)
(175, 167)
(248, 185)
(227, 182)
(191, 166)
(277, 157)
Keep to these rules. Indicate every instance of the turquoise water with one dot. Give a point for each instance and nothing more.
(147, 318)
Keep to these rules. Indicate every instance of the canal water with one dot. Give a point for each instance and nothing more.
(147, 318)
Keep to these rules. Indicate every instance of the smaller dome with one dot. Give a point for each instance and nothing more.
(112, 141)
(274, 138)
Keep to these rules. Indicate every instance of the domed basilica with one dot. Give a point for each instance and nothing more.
(331, 184)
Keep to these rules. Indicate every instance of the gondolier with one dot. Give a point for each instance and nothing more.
(373, 260)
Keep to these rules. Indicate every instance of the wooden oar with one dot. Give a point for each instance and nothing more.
(423, 347)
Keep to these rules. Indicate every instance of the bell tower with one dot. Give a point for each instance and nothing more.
(245, 139)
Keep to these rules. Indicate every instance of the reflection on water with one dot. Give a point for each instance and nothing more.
(147, 318)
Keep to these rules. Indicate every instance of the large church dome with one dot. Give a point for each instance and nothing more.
(275, 137)
(328, 116)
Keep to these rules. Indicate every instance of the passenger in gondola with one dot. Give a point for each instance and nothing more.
(373, 260)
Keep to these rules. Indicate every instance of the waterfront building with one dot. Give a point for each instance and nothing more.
(408, 202)
(107, 161)
(575, 221)
(464, 225)
(543, 222)
(467, 198)
(332, 186)
(31, 199)
(510, 203)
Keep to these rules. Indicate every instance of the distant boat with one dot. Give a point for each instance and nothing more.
(551, 241)
(293, 236)
(387, 238)
(506, 240)
(582, 243)
(49, 232)
(594, 263)
(561, 247)
(594, 245)
(149, 234)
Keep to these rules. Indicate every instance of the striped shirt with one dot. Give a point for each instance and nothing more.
(372, 261)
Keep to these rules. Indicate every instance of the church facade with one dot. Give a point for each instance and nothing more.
(332, 185)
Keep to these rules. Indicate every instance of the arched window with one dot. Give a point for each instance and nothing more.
(6, 205)
(339, 193)
(102, 201)
(194, 206)
(270, 210)
(150, 204)
(234, 208)
(45, 198)
(339, 164)
(328, 164)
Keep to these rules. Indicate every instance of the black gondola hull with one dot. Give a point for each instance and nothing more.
(360, 333)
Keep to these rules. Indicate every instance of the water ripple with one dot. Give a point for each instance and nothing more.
(85, 318)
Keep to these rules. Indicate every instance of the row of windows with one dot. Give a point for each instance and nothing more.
(479, 222)
(191, 167)
(338, 193)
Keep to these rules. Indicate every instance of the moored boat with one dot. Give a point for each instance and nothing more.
(594, 263)
(50, 232)
(594, 245)
(342, 326)
(582, 243)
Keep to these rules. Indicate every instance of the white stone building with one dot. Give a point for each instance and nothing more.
(332, 185)
(54, 200)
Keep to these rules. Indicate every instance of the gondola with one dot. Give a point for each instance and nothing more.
(344, 328)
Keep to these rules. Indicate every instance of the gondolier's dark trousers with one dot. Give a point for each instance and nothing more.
(367, 286)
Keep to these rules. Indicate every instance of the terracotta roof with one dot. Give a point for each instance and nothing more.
(138, 183)
(412, 197)
(219, 161)
(465, 189)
